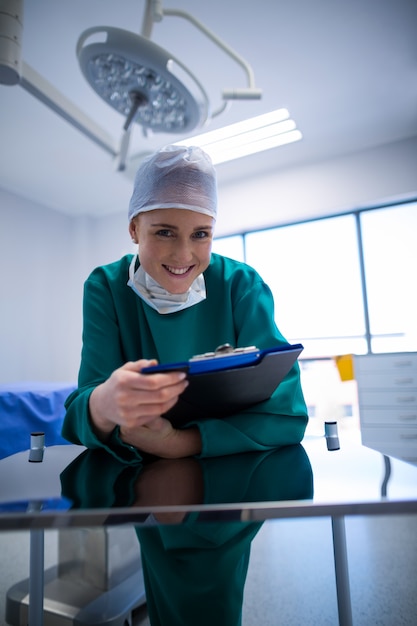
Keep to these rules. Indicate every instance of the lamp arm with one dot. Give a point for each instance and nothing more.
(39, 87)
(121, 157)
(148, 19)
(252, 92)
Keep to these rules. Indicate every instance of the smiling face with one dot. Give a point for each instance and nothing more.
(174, 245)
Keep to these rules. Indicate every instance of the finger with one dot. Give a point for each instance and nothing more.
(160, 397)
(160, 381)
(131, 380)
(140, 402)
(134, 381)
(137, 366)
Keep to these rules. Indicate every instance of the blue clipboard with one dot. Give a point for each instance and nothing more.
(227, 381)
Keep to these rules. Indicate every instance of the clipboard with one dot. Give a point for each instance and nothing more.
(228, 380)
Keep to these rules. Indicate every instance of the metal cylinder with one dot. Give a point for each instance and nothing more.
(331, 434)
(37, 447)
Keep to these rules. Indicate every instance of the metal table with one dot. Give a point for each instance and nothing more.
(69, 489)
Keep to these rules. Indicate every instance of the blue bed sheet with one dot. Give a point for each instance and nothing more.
(31, 407)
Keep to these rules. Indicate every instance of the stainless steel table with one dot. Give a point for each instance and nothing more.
(75, 488)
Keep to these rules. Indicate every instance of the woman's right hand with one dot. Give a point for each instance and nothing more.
(130, 399)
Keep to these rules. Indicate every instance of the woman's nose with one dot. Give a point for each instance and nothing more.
(182, 252)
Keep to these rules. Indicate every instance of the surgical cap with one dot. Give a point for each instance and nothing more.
(175, 177)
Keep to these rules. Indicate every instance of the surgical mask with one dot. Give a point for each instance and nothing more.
(159, 298)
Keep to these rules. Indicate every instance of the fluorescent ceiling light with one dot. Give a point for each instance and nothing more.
(248, 137)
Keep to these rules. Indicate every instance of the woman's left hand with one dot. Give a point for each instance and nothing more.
(160, 438)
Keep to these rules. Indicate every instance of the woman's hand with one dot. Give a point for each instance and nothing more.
(135, 402)
(160, 438)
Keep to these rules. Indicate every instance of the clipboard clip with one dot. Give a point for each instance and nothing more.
(226, 349)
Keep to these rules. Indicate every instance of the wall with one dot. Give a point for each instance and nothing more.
(344, 183)
(46, 256)
(40, 296)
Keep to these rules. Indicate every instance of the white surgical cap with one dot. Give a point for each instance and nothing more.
(175, 177)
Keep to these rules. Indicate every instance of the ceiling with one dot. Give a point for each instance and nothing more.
(346, 70)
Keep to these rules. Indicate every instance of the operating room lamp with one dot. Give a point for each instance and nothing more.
(142, 81)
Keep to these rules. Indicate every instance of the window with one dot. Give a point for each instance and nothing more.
(390, 258)
(230, 246)
(313, 271)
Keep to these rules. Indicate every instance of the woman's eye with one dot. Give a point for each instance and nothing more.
(201, 234)
(164, 233)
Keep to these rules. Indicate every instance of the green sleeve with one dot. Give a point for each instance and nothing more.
(102, 353)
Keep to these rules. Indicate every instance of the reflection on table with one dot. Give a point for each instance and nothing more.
(194, 565)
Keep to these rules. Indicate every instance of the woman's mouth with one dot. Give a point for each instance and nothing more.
(178, 271)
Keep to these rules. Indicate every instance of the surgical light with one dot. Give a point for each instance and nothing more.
(141, 80)
(148, 85)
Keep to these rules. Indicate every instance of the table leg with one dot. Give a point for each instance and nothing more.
(36, 578)
(342, 571)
